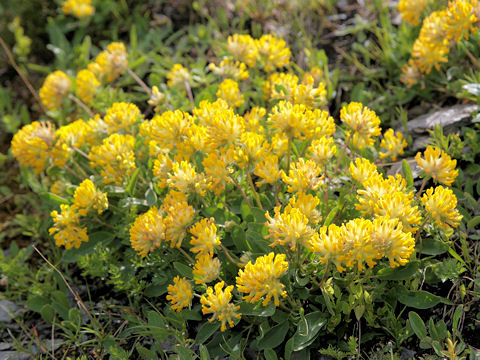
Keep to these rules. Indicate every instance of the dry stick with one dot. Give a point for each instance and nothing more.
(186, 255)
(225, 250)
(53, 337)
(22, 76)
(79, 168)
(421, 189)
(82, 105)
(241, 191)
(472, 58)
(85, 155)
(189, 92)
(80, 303)
(257, 198)
(140, 82)
(72, 172)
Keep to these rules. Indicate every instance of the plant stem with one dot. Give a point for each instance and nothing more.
(140, 82)
(322, 281)
(82, 105)
(257, 198)
(186, 255)
(227, 253)
(189, 92)
(421, 189)
(344, 150)
(237, 185)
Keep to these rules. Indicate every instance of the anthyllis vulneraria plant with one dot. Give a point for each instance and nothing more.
(248, 190)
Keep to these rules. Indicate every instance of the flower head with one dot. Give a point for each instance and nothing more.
(86, 85)
(180, 294)
(147, 232)
(79, 8)
(218, 304)
(393, 144)
(206, 269)
(110, 63)
(273, 52)
(441, 204)
(243, 48)
(184, 178)
(229, 91)
(178, 76)
(178, 219)
(362, 170)
(204, 236)
(228, 68)
(268, 170)
(410, 10)
(321, 150)
(88, 197)
(363, 122)
(329, 247)
(122, 116)
(67, 229)
(438, 164)
(54, 89)
(262, 279)
(303, 176)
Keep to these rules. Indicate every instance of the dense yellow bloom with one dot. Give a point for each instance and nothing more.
(243, 48)
(180, 294)
(428, 55)
(66, 228)
(185, 179)
(218, 169)
(363, 122)
(321, 150)
(32, 144)
(87, 197)
(279, 143)
(253, 119)
(441, 204)
(410, 10)
(206, 268)
(162, 166)
(459, 19)
(115, 158)
(54, 89)
(226, 128)
(178, 76)
(262, 279)
(358, 247)
(362, 170)
(303, 176)
(78, 8)
(228, 90)
(391, 241)
(329, 247)
(268, 170)
(290, 118)
(86, 85)
(147, 232)
(393, 143)
(178, 219)
(251, 149)
(207, 111)
(168, 129)
(69, 136)
(307, 204)
(110, 63)
(273, 52)
(438, 164)
(319, 124)
(230, 69)
(95, 130)
(310, 95)
(122, 116)
(280, 86)
(197, 135)
(288, 228)
(204, 237)
(59, 187)
(398, 205)
(219, 305)
(172, 199)
(314, 72)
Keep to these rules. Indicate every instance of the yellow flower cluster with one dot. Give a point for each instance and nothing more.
(180, 294)
(440, 31)
(440, 204)
(110, 63)
(78, 8)
(218, 303)
(55, 89)
(393, 144)
(438, 165)
(147, 232)
(87, 197)
(362, 123)
(66, 229)
(87, 84)
(228, 90)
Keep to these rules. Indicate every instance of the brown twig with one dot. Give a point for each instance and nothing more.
(140, 82)
(22, 76)
(82, 105)
(227, 253)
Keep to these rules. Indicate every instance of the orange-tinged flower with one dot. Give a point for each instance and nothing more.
(204, 237)
(438, 164)
(180, 294)
(87, 197)
(268, 170)
(410, 10)
(206, 269)
(441, 205)
(218, 303)
(110, 63)
(147, 232)
(54, 89)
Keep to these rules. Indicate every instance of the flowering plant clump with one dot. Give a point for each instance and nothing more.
(241, 204)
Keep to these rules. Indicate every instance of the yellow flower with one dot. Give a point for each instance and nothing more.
(204, 237)
(229, 91)
(162, 165)
(232, 69)
(178, 76)
(157, 98)
(32, 144)
(428, 55)
(280, 86)
(66, 228)
(358, 247)
(219, 305)
(410, 10)
(303, 176)
(309, 95)
(207, 111)
(289, 118)
(391, 241)
(69, 136)
(319, 124)
(243, 48)
(253, 120)
(288, 228)
(147, 232)
(329, 247)
(441, 204)
(168, 129)
(54, 89)
(273, 52)
(363, 122)
(438, 164)
(86, 197)
(279, 144)
(226, 128)
(411, 74)
(206, 268)
(251, 149)
(398, 205)
(362, 170)
(178, 219)
(262, 279)
(115, 158)
(180, 294)
(185, 179)
(218, 169)
(459, 19)
(122, 116)
(393, 143)
(110, 63)
(321, 150)
(59, 187)
(307, 204)
(86, 85)
(268, 170)
(78, 8)
(95, 130)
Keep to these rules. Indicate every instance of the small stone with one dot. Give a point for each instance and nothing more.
(7, 310)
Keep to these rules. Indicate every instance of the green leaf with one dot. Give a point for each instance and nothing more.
(273, 337)
(257, 309)
(204, 355)
(259, 215)
(36, 303)
(331, 215)
(270, 354)
(289, 348)
(407, 173)
(156, 326)
(183, 270)
(132, 182)
(456, 319)
(417, 325)
(473, 222)
(88, 247)
(183, 352)
(419, 299)
(51, 198)
(430, 246)
(246, 213)
(399, 273)
(146, 353)
(48, 313)
(307, 330)
(240, 239)
(207, 330)
(151, 196)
